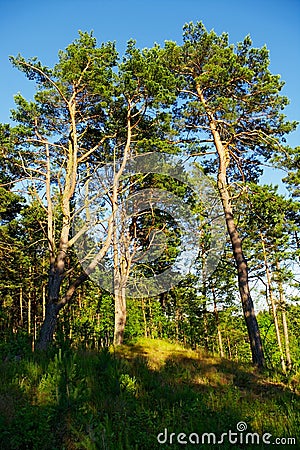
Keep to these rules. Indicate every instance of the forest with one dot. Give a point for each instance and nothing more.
(149, 279)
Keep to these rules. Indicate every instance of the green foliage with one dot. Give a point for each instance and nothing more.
(233, 85)
(124, 399)
(80, 394)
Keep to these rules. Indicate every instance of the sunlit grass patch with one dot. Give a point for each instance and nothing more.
(121, 398)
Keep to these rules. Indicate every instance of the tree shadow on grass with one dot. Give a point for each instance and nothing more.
(197, 394)
(23, 424)
(125, 399)
(34, 408)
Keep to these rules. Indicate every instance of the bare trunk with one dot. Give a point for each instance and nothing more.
(216, 314)
(51, 313)
(29, 313)
(206, 343)
(273, 305)
(236, 242)
(151, 324)
(119, 289)
(275, 318)
(286, 337)
(284, 321)
(34, 332)
(44, 301)
(177, 318)
(229, 348)
(48, 327)
(243, 283)
(120, 249)
(120, 316)
(21, 305)
(55, 305)
(144, 318)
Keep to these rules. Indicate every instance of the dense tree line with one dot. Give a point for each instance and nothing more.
(204, 99)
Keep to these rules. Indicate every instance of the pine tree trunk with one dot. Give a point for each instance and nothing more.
(236, 242)
(21, 305)
(51, 313)
(273, 305)
(286, 337)
(177, 318)
(54, 305)
(229, 348)
(48, 327)
(205, 327)
(144, 318)
(120, 316)
(284, 321)
(216, 314)
(243, 283)
(275, 318)
(29, 313)
(119, 291)
(44, 301)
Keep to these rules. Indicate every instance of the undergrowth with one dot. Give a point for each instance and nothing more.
(124, 398)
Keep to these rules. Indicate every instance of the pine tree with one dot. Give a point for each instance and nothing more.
(230, 102)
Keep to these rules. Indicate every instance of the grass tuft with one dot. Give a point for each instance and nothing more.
(123, 397)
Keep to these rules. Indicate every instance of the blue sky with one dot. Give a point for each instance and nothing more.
(42, 28)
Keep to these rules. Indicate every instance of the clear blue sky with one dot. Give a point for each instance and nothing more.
(42, 28)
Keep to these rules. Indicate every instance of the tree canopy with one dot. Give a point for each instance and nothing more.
(206, 100)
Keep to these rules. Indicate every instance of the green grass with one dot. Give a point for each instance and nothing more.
(123, 398)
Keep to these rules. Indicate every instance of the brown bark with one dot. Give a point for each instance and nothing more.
(273, 305)
(282, 303)
(58, 255)
(58, 258)
(242, 269)
(216, 314)
(44, 301)
(48, 327)
(205, 327)
(177, 320)
(120, 316)
(55, 305)
(121, 272)
(285, 332)
(144, 317)
(66, 178)
(29, 313)
(120, 248)
(236, 242)
(120, 277)
(21, 305)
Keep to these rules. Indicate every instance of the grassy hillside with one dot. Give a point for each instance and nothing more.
(124, 398)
